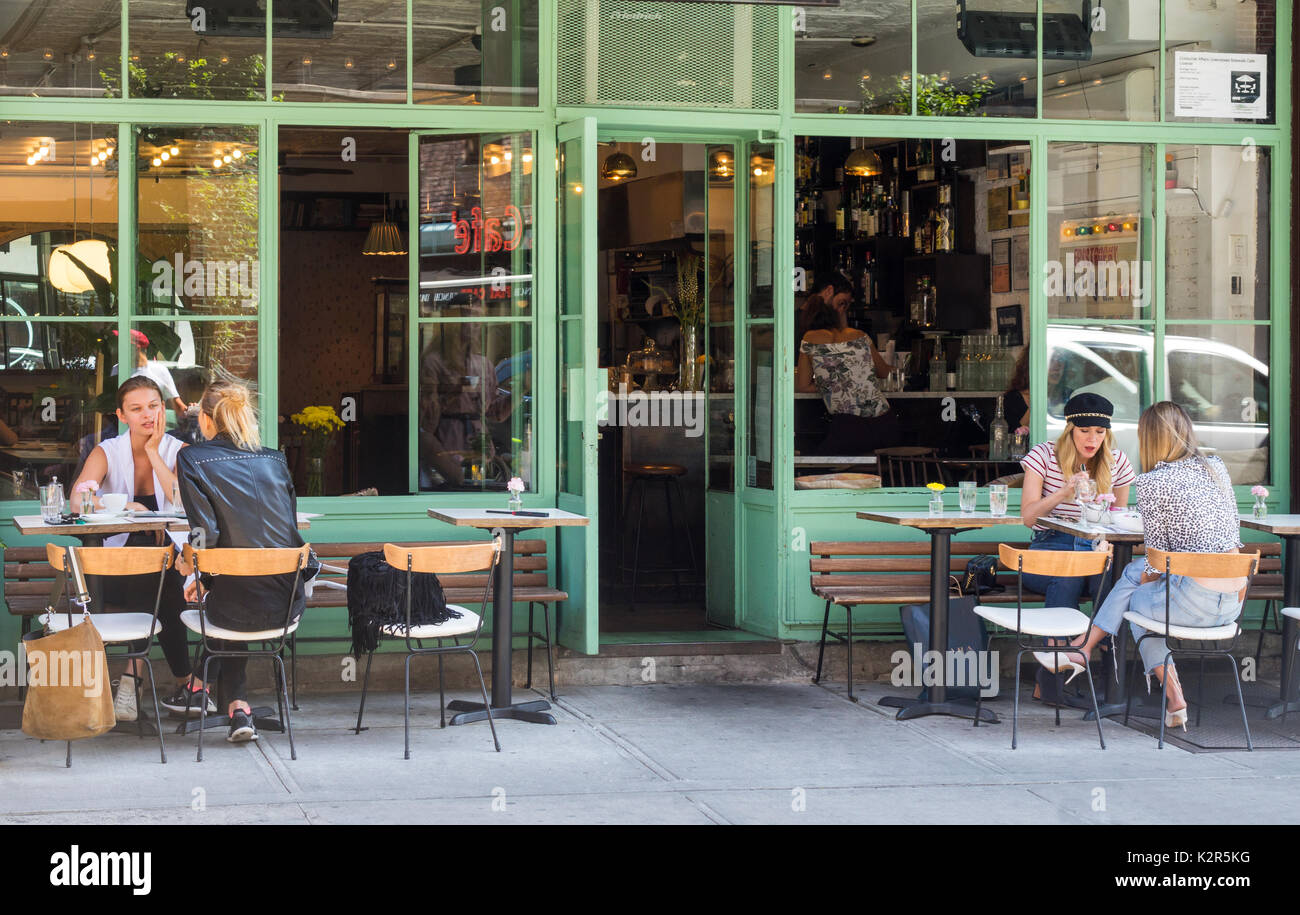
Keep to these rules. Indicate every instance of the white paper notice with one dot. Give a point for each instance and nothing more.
(1208, 85)
(763, 414)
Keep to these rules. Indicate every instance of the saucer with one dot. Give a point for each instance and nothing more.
(105, 517)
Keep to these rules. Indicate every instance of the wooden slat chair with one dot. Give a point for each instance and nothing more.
(855, 573)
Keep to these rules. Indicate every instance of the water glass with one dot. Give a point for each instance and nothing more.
(51, 503)
(1086, 491)
(998, 500)
(83, 502)
(966, 496)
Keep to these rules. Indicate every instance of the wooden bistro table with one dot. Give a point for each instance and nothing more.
(1288, 528)
(503, 595)
(940, 528)
(1123, 542)
(92, 534)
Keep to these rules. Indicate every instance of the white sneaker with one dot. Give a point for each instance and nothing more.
(124, 707)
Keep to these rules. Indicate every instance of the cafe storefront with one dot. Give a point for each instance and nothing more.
(577, 242)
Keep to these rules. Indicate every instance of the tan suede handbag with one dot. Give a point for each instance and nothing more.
(68, 693)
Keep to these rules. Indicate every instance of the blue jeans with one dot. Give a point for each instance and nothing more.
(1060, 592)
(1190, 604)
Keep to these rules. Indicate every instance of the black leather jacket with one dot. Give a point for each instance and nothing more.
(236, 498)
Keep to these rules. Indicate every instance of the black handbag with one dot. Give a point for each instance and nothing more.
(981, 577)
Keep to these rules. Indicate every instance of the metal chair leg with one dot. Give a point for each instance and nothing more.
(1092, 691)
(1015, 707)
(528, 683)
(1164, 701)
(821, 649)
(487, 706)
(442, 699)
(67, 762)
(157, 718)
(293, 668)
(1288, 688)
(283, 698)
(406, 707)
(203, 706)
(1241, 702)
(849, 608)
(365, 685)
(550, 660)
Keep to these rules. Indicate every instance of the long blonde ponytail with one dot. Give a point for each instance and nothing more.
(229, 405)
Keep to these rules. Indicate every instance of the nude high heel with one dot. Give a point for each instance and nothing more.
(1057, 663)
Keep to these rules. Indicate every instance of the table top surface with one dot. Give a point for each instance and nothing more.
(1282, 525)
(32, 524)
(482, 518)
(1084, 529)
(924, 520)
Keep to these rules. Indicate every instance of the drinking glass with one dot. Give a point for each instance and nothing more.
(83, 502)
(51, 503)
(20, 483)
(966, 496)
(998, 500)
(1086, 491)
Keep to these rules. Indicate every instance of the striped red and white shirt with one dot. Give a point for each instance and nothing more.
(1041, 459)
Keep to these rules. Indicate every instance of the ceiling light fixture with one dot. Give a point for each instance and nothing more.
(862, 162)
(618, 167)
(384, 237)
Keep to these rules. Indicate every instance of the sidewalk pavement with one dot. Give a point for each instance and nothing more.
(777, 753)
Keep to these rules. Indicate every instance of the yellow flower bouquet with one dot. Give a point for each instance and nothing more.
(318, 425)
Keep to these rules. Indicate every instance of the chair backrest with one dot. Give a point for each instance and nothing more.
(1204, 565)
(248, 561)
(114, 560)
(444, 558)
(1010, 481)
(1059, 563)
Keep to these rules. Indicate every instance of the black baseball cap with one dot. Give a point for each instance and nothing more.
(1089, 410)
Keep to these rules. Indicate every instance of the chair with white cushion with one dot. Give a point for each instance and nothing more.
(1203, 565)
(246, 562)
(113, 628)
(1293, 613)
(1045, 622)
(439, 559)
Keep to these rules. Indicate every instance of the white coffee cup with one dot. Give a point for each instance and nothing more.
(114, 502)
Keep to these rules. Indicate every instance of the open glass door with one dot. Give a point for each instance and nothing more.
(576, 547)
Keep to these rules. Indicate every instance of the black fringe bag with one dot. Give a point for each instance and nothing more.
(377, 598)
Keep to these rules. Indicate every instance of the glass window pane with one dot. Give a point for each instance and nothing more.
(854, 59)
(762, 344)
(47, 49)
(56, 400)
(196, 220)
(571, 404)
(1217, 232)
(476, 223)
(475, 53)
(195, 51)
(762, 225)
(354, 52)
(1220, 58)
(1112, 73)
(983, 63)
(476, 405)
(1219, 374)
(1114, 362)
(1098, 231)
(185, 356)
(58, 207)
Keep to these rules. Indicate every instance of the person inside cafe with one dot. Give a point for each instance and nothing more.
(142, 464)
(154, 369)
(238, 494)
(836, 291)
(1016, 401)
(841, 364)
(1187, 505)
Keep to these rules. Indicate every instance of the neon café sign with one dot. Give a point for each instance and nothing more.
(492, 234)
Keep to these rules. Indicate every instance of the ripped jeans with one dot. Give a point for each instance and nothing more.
(1190, 604)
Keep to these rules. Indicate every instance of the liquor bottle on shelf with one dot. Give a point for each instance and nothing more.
(840, 224)
(944, 220)
(855, 211)
(998, 440)
(868, 280)
(905, 229)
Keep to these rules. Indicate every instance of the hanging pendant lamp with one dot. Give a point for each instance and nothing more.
(71, 265)
(618, 167)
(384, 236)
(863, 163)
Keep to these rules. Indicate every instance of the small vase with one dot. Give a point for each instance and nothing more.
(316, 476)
(515, 503)
(691, 374)
(936, 505)
(1260, 510)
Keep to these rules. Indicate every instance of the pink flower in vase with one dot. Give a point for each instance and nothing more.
(515, 485)
(1108, 499)
(1022, 430)
(1259, 492)
(86, 486)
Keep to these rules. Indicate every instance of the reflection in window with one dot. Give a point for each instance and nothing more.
(855, 58)
(58, 219)
(56, 400)
(475, 403)
(1217, 232)
(475, 54)
(982, 64)
(1110, 72)
(1113, 363)
(47, 49)
(1219, 374)
(195, 51)
(197, 220)
(355, 52)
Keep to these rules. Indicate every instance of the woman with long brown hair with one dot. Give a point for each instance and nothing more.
(1187, 505)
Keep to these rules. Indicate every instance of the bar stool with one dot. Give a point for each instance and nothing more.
(642, 475)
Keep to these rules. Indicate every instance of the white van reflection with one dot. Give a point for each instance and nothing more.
(1223, 388)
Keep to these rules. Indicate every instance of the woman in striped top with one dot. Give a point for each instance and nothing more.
(1087, 449)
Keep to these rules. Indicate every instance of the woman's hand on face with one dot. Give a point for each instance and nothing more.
(159, 430)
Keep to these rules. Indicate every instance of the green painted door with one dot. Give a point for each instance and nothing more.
(577, 547)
